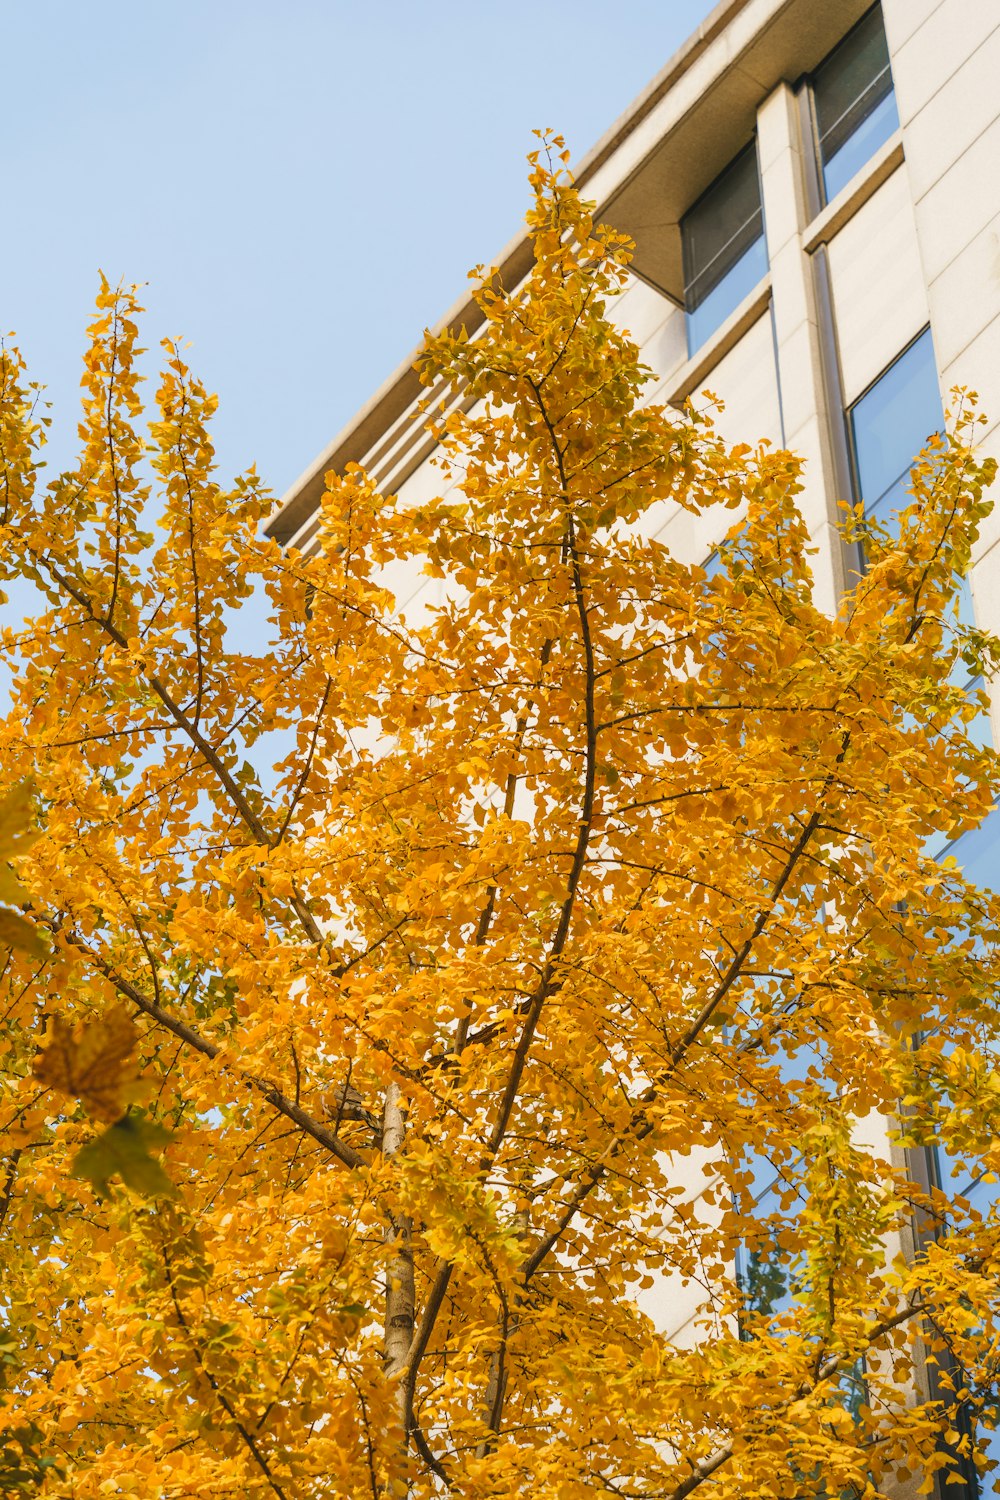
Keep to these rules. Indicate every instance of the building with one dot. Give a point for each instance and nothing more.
(813, 187)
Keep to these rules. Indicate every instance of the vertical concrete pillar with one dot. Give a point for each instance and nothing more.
(806, 358)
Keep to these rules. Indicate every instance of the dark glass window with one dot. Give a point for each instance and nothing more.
(855, 103)
(724, 251)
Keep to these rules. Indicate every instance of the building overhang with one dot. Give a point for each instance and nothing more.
(644, 174)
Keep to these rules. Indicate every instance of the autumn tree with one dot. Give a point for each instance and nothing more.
(420, 994)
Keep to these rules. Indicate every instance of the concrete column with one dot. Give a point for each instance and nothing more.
(812, 413)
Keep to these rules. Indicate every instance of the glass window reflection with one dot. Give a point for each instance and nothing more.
(978, 856)
(725, 255)
(890, 424)
(855, 103)
(768, 1279)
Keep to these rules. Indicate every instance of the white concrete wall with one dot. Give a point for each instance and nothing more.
(744, 399)
(741, 392)
(946, 62)
(879, 297)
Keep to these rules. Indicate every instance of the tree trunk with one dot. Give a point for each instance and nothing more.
(399, 1288)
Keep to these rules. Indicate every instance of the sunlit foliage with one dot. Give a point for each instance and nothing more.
(443, 1054)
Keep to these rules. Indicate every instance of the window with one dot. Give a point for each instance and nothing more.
(854, 103)
(890, 423)
(978, 854)
(724, 251)
(978, 857)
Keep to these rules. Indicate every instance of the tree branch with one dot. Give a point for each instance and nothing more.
(227, 1406)
(640, 1126)
(187, 1034)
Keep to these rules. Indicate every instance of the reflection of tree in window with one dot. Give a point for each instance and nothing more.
(770, 1271)
(891, 422)
(899, 414)
(766, 1284)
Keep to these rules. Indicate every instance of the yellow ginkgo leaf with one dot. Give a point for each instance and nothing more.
(16, 837)
(16, 831)
(93, 1061)
(17, 932)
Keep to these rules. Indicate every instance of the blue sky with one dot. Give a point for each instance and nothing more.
(303, 184)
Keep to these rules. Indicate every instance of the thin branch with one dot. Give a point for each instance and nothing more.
(707, 1467)
(193, 550)
(194, 734)
(510, 793)
(641, 1126)
(295, 798)
(227, 1406)
(187, 1034)
(7, 1192)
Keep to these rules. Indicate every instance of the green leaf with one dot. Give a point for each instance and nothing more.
(123, 1151)
(247, 775)
(22, 1466)
(224, 1336)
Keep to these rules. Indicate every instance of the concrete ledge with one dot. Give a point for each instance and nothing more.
(887, 160)
(699, 367)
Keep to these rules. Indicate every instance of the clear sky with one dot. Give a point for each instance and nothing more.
(302, 183)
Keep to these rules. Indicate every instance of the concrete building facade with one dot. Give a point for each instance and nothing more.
(813, 187)
(908, 243)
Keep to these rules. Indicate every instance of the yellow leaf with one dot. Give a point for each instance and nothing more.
(17, 932)
(16, 832)
(16, 836)
(93, 1062)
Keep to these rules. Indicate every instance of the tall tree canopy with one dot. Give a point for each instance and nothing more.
(365, 1114)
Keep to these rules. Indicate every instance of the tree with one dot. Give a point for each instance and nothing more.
(377, 1094)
